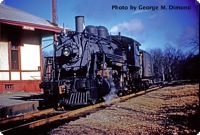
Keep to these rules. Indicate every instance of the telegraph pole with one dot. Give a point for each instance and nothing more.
(54, 21)
(54, 12)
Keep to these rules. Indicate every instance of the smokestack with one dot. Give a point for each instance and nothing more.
(79, 23)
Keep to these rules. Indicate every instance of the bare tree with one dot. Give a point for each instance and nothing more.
(177, 64)
(167, 63)
(158, 59)
(193, 42)
(173, 59)
(168, 56)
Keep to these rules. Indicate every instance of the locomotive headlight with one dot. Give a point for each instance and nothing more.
(66, 52)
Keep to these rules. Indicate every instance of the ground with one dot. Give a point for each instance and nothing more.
(170, 110)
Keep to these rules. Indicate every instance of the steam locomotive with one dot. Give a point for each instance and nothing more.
(89, 64)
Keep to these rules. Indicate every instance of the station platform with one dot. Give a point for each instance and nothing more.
(17, 102)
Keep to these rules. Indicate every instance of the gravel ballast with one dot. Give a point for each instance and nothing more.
(170, 110)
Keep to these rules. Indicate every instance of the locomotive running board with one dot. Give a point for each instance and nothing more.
(79, 98)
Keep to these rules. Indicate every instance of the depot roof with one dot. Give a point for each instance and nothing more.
(13, 16)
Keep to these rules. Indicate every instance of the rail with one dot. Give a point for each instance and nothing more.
(65, 115)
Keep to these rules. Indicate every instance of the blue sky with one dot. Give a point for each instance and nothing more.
(153, 29)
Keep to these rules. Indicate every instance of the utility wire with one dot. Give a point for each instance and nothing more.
(47, 46)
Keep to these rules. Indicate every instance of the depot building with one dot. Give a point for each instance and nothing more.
(20, 49)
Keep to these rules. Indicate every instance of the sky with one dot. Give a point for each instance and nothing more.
(153, 28)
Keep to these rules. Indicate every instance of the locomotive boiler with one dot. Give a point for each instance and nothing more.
(89, 64)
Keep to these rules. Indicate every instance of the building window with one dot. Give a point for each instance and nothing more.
(14, 57)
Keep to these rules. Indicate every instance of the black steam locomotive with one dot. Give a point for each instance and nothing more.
(89, 64)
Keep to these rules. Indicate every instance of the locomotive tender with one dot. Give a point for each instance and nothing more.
(89, 64)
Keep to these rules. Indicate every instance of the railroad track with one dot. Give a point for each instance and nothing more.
(44, 117)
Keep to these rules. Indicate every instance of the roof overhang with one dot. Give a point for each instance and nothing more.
(30, 26)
